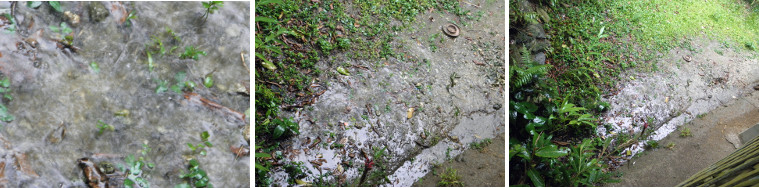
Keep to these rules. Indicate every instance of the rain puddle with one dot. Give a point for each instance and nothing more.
(409, 113)
(83, 93)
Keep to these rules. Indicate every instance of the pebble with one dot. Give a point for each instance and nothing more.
(72, 18)
(455, 138)
(97, 11)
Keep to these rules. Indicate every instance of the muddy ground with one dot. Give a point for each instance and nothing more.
(476, 168)
(453, 86)
(707, 88)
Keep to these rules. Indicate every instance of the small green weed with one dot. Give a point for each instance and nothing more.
(95, 67)
(132, 15)
(685, 132)
(135, 169)
(701, 116)
(211, 7)
(200, 148)
(191, 52)
(196, 175)
(162, 86)
(5, 85)
(102, 126)
(652, 144)
(10, 27)
(450, 178)
(480, 145)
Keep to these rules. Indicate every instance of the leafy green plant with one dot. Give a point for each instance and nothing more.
(132, 15)
(569, 115)
(284, 127)
(200, 148)
(582, 168)
(102, 126)
(196, 176)
(652, 144)
(162, 86)
(211, 7)
(150, 62)
(11, 27)
(5, 89)
(450, 178)
(685, 132)
(95, 67)
(63, 29)
(191, 52)
(481, 144)
(180, 85)
(538, 150)
(135, 171)
(5, 115)
(208, 81)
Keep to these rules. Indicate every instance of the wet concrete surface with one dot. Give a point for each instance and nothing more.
(709, 143)
(689, 82)
(454, 90)
(58, 98)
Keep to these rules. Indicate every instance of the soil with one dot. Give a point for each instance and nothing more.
(476, 168)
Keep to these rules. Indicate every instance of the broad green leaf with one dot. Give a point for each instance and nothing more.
(268, 65)
(150, 62)
(537, 180)
(539, 120)
(56, 5)
(208, 81)
(5, 115)
(342, 71)
(33, 4)
(551, 152)
(184, 185)
(278, 131)
(265, 19)
(262, 155)
(5, 82)
(261, 167)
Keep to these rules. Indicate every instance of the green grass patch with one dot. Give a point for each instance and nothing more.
(661, 24)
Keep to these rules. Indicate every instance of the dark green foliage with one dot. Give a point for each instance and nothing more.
(132, 15)
(196, 176)
(200, 148)
(211, 7)
(191, 52)
(56, 5)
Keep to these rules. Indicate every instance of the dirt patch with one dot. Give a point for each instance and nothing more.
(476, 168)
